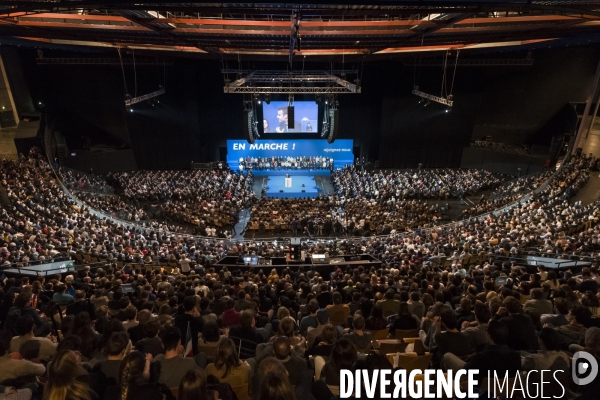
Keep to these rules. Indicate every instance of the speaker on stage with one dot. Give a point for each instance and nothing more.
(280, 190)
(291, 117)
(334, 121)
(303, 191)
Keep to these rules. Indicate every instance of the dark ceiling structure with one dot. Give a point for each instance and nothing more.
(262, 29)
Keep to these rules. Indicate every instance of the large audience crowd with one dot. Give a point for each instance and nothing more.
(439, 184)
(285, 163)
(127, 327)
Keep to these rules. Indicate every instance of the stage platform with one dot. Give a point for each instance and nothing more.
(277, 183)
(293, 172)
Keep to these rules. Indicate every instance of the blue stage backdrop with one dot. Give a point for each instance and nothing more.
(340, 150)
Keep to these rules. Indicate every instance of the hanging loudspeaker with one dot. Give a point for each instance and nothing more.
(334, 122)
(291, 117)
(247, 126)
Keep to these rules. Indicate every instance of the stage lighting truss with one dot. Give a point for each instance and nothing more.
(284, 82)
(131, 101)
(447, 101)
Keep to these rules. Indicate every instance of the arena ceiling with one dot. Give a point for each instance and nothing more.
(262, 29)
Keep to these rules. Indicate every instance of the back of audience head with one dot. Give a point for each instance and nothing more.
(343, 354)
(498, 332)
(131, 372)
(276, 386)
(62, 379)
(226, 356)
(193, 386)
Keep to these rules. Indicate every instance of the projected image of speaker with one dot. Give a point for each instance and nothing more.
(291, 117)
(247, 125)
(334, 121)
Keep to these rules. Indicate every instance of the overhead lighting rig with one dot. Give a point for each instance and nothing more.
(448, 101)
(285, 82)
(129, 101)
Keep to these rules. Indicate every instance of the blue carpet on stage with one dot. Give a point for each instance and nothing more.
(292, 172)
(277, 183)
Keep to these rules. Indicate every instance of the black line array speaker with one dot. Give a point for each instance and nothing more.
(291, 117)
(247, 125)
(334, 122)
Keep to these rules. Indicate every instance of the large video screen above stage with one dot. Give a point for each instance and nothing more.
(275, 117)
(340, 150)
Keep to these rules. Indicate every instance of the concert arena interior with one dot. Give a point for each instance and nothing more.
(245, 201)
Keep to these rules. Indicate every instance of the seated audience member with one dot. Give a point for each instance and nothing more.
(477, 330)
(376, 321)
(136, 332)
(227, 367)
(404, 320)
(246, 335)
(151, 344)
(15, 367)
(360, 339)
(172, 366)
(131, 317)
(135, 380)
(343, 356)
(338, 312)
(115, 350)
(287, 328)
(574, 331)
(211, 338)
(272, 365)
(30, 346)
(205, 312)
(310, 321)
(61, 296)
(194, 386)
(448, 339)
(275, 386)
(416, 306)
(550, 356)
(22, 307)
(389, 305)
(538, 301)
(559, 315)
(298, 372)
(67, 380)
(82, 329)
(80, 304)
(230, 316)
(520, 326)
(312, 334)
(464, 312)
(496, 357)
(323, 344)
